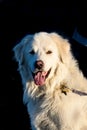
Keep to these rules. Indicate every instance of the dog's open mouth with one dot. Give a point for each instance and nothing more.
(40, 77)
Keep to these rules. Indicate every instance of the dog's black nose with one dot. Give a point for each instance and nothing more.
(39, 64)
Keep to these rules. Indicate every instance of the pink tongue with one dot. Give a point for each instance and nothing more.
(39, 78)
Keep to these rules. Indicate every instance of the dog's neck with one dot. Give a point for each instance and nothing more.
(65, 90)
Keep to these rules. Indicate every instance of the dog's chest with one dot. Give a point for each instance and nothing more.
(62, 111)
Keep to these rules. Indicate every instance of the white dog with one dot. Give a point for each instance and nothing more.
(55, 90)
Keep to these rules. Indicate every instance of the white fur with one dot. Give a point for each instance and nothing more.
(48, 107)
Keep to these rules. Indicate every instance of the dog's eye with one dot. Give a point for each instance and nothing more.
(49, 52)
(32, 52)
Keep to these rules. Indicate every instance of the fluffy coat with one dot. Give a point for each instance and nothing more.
(49, 75)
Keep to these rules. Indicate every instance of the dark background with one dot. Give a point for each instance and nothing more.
(18, 18)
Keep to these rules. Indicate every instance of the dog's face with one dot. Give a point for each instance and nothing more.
(40, 55)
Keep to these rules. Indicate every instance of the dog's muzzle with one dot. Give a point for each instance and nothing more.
(39, 75)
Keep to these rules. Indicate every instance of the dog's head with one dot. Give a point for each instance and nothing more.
(40, 55)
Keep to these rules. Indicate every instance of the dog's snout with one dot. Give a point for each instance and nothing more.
(39, 64)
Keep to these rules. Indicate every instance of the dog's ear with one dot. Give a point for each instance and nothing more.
(19, 48)
(63, 47)
(18, 55)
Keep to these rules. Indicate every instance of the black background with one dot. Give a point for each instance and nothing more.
(18, 18)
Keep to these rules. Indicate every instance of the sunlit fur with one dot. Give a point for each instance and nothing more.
(48, 107)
